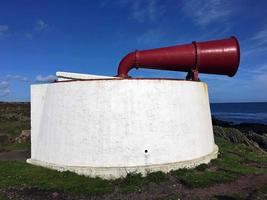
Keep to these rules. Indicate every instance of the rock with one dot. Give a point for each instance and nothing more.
(218, 122)
(25, 136)
(55, 195)
(260, 139)
(257, 128)
(243, 127)
(231, 134)
(236, 136)
(4, 138)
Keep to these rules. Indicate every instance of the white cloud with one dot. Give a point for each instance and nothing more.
(204, 12)
(141, 11)
(261, 36)
(256, 44)
(28, 35)
(49, 78)
(250, 84)
(16, 77)
(4, 88)
(5, 92)
(3, 30)
(41, 25)
(4, 84)
(254, 49)
(262, 69)
(151, 36)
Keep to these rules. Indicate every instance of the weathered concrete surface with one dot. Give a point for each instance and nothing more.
(121, 124)
(118, 172)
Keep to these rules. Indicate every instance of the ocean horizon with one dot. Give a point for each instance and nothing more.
(243, 112)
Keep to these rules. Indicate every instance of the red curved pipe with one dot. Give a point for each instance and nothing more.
(126, 64)
(212, 57)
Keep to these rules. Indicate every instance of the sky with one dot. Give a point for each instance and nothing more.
(39, 38)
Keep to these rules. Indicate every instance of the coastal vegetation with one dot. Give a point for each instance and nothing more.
(239, 172)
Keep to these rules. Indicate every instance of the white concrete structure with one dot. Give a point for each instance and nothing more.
(111, 127)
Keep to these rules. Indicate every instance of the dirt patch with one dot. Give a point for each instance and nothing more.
(254, 164)
(245, 184)
(172, 188)
(18, 155)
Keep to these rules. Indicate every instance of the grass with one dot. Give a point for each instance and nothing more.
(3, 198)
(16, 146)
(134, 181)
(25, 175)
(260, 193)
(14, 128)
(194, 179)
(14, 117)
(233, 161)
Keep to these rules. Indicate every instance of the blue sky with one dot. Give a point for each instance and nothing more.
(39, 38)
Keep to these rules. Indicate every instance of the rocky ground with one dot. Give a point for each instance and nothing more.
(251, 134)
(240, 172)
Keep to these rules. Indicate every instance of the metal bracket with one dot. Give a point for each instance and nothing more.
(192, 75)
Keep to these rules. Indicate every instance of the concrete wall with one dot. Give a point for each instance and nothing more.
(120, 123)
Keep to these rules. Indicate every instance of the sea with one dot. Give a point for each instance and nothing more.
(236, 113)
